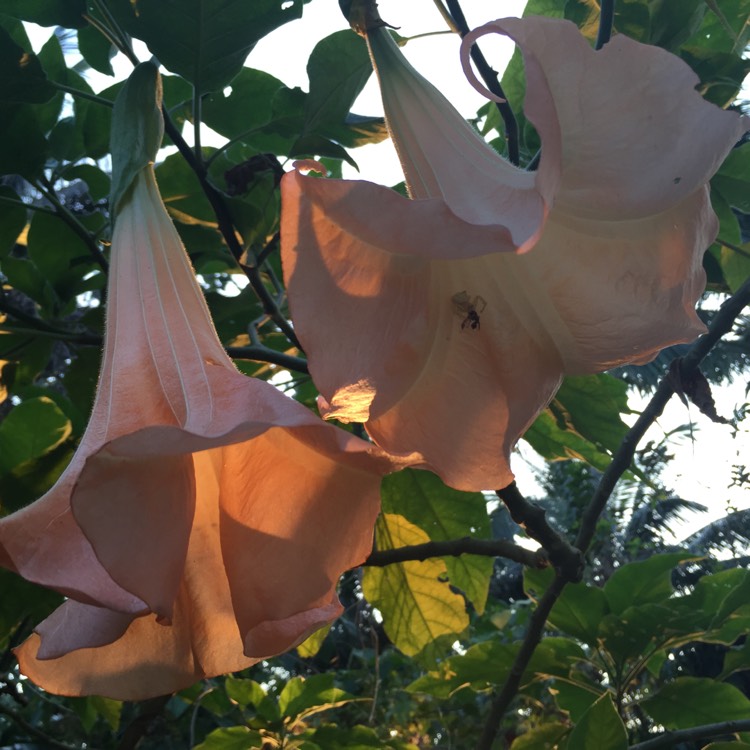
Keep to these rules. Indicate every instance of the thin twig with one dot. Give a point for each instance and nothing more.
(82, 94)
(454, 548)
(260, 353)
(606, 22)
(490, 77)
(704, 732)
(40, 327)
(226, 227)
(721, 324)
(91, 244)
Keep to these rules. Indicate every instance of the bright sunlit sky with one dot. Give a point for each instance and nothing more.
(702, 470)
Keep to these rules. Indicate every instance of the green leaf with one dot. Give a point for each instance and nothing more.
(736, 659)
(22, 78)
(32, 429)
(346, 738)
(246, 107)
(59, 254)
(643, 582)
(12, 219)
(309, 647)
(600, 728)
(691, 701)
(727, 31)
(93, 707)
(578, 610)
(68, 13)
(414, 598)
(486, 664)
(208, 40)
(231, 738)
(19, 125)
(22, 600)
(482, 666)
(96, 50)
(443, 514)
(308, 695)
(583, 421)
(248, 692)
(673, 22)
(544, 737)
(574, 697)
(338, 69)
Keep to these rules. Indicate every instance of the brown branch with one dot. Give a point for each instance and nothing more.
(457, 547)
(721, 324)
(566, 559)
(502, 700)
(704, 732)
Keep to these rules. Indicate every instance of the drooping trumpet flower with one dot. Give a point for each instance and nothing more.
(446, 322)
(205, 518)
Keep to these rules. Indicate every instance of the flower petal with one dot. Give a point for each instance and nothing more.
(637, 138)
(444, 157)
(453, 352)
(149, 658)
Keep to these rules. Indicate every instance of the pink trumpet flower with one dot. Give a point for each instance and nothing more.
(446, 322)
(205, 518)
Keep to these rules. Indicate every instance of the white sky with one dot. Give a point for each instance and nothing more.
(702, 469)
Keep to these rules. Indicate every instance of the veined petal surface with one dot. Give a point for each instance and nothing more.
(451, 346)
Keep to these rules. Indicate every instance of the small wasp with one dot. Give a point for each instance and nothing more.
(470, 307)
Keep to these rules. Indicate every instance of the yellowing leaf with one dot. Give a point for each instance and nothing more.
(414, 598)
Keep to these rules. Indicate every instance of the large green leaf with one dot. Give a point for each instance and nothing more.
(643, 582)
(338, 69)
(582, 421)
(250, 693)
(204, 41)
(231, 738)
(22, 77)
(444, 513)
(60, 254)
(578, 610)
(600, 728)
(486, 664)
(303, 696)
(416, 602)
(19, 124)
(691, 701)
(32, 429)
(544, 737)
(67, 13)
(245, 106)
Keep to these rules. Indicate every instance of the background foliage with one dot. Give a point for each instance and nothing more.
(653, 638)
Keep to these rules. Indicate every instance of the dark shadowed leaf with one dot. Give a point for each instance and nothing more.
(692, 701)
(208, 40)
(67, 13)
(600, 728)
(444, 513)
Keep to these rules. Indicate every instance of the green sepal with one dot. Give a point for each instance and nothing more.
(137, 129)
